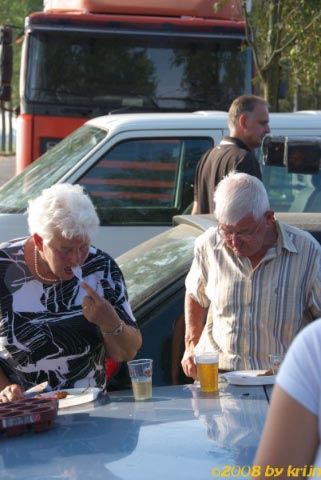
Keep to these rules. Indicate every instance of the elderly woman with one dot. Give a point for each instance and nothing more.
(63, 302)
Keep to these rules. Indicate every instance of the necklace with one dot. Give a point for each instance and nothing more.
(45, 279)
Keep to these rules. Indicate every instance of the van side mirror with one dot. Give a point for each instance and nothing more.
(303, 157)
(273, 150)
(300, 155)
(6, 60)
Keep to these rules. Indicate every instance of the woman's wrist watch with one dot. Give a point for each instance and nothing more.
(116, 331)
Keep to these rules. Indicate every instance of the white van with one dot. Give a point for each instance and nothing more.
(293, 192)
(139, 171)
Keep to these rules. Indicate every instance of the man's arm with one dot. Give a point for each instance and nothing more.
(195, 208)
(195, 316)
(196, 181)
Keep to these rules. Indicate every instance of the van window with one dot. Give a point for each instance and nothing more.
(145, 181)
(291, 192)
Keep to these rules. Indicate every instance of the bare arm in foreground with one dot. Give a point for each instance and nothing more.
(290, 436)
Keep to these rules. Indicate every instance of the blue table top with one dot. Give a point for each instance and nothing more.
(179, 434)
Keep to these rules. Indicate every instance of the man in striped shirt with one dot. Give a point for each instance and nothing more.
(259, 281)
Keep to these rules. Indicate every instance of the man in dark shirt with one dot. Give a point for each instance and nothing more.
(248, 122)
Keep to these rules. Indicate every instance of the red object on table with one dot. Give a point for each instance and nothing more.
(111, 368)
(32, 414)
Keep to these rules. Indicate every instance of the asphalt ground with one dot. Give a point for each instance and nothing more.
(7, 167)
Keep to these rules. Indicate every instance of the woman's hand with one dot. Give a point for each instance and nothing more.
(120, 346)
(98, 310)
(11, 393)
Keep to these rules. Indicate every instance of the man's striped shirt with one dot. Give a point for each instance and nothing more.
(255, 312)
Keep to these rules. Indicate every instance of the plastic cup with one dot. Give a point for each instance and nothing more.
(140, 372)
(275, 361)
(207, 371)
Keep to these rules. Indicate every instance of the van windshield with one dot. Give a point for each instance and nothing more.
(158, 263)
(49, 169)
(136, 72)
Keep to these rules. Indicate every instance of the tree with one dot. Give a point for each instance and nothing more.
(13, 13)
(284, 38)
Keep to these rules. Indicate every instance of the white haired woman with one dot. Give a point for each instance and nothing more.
(63, 302)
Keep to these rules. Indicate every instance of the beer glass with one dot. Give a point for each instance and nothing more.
(207, 371)
(275, 361)
(140, 372)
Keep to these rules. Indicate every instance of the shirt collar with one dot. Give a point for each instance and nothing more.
(284, 238)
(234, 141)
(219, 241)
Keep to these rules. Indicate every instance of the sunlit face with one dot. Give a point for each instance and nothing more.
(256, 126)
(245, 238)
(62, 254)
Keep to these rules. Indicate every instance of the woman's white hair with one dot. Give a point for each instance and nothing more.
(238, 195)
(62, 208)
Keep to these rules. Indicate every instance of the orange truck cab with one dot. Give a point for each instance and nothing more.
(86, 58)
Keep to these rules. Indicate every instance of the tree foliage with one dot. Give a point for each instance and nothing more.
(284, 35)
(13, 12)
(285, 39)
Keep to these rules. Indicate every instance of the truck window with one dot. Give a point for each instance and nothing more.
(145, 181)
(135, 73)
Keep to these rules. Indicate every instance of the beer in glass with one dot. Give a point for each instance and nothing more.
(142, 388)
(207, 371)
(140, 372)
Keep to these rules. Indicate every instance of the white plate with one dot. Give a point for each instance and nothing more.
(249, 377)
(76, 396)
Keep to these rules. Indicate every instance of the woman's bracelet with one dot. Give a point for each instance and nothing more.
(116, 331)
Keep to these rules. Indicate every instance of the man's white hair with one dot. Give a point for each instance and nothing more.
(238, 195)
(64, 209)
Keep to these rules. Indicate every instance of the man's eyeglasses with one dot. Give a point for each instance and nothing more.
(245, 236)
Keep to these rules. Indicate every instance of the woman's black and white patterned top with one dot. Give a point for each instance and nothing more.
(43, 333)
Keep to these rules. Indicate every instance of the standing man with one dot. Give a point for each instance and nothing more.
(248, 122)
(261, 278)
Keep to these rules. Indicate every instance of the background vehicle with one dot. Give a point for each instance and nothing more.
(87, 58)
(139, 171)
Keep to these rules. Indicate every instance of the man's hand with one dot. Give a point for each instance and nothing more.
(11, 393)
(188, 364)
(195, 317)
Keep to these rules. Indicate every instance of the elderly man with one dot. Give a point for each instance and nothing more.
(261, 278)
(248, 121)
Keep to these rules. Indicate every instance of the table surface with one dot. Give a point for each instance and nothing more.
(179, 434)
